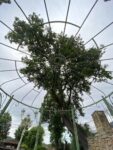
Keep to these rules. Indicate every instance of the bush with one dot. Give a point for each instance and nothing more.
(41, 148)
(24, 146)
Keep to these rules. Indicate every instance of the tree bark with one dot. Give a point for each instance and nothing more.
(82, 138)
(69, 124)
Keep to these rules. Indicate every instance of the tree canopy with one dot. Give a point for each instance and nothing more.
(5, 124)
(25, 124)
(5, 1)
(58, 63)
(30, 138)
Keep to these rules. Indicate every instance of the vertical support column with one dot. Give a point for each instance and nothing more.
(6, 106)
(108, 105)
(75, 130)
(22, 135)
(37, 134)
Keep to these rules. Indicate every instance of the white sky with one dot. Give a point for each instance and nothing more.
(101, 16)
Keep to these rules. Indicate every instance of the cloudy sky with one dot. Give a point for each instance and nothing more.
(100, 17)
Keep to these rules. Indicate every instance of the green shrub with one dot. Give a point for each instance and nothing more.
(24, 146)
(41, 148)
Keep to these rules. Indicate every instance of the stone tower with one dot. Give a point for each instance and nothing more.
(103, 139)
(101, 122)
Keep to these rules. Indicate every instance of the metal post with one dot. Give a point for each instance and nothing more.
(6, 106)
(108, 105)
(22, 135)
(0, 100)
(75, 130)
(37, 134)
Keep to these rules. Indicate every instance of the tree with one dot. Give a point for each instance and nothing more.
(30, 138)
(60, 64)
(5, 1)
(5, 124)
(25, 124)
(51, 115)
(86, 129)
(56, 129)
(24, 146)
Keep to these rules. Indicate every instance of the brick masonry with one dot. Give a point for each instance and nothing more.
(103, 140)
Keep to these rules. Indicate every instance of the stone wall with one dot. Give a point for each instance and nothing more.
(103, 140)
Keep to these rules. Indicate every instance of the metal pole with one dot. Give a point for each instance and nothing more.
(22, 135)
(108, 105)
(6, 106)
(37, 134)
(0, 100)
(75, 130)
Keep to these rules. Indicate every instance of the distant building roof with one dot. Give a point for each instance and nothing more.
(8, 144)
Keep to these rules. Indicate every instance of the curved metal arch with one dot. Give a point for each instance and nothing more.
(49, 110)
(7, 59)
(90, 97)
(6, 26)
(99, 90)
(18, 88)
(86, 17)
(10, 30)
(27, 94)
(4, 100)
(108, 82)
(111, 44)
(59, 21)
(18, 100)
(106, 59)
(10, 81)
(21, 10)
(98, 101)
(35, 98)
(22, 78)
(24, 15)
(13, 48)
(111, 100)
(99, 32)
(47, 13)
(18, 73)
(95, 43)
(66, 16)
(7, 70)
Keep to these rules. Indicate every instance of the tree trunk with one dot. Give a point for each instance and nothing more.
(69, 124)
(82, 137)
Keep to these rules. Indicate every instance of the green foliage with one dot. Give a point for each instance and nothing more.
(54, 118)
(5, 1)
(25, 124)
(24, 146)
(73, 143)
(50, 104)
(59, 64)
(41, 148)
(56, 129)
(30, 138)
(5, 124)
(86, 130)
